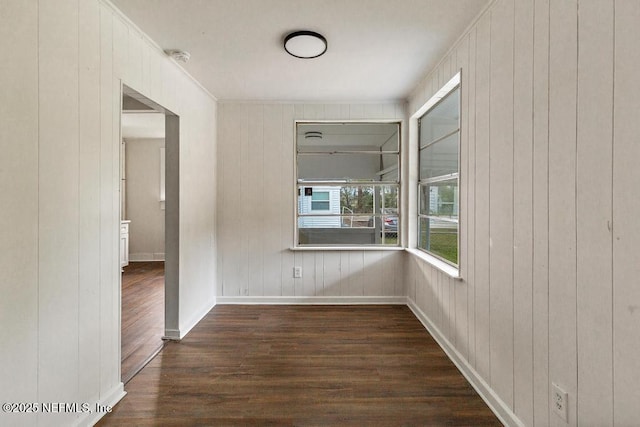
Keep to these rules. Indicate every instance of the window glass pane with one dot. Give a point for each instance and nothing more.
(320, 201)
(355, 167)
(325, 137)
(350, 199)
(325, 148)
(338, 165)
(320, 205)
(440, 158)
(390, 229)
(439, 199)
(441, 120)
(442, 239)
(348, 230)
(439, 237)
(356, 200)
(387, 199)
(325, 221)
(388, 167)
(423, 233)
(320, 196)
(336, 236)
(324, 199)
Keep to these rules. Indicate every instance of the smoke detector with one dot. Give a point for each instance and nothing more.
(178, 55)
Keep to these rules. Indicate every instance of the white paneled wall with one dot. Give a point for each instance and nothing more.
(146, 236)
(256, 194)
(59, 169)
(19, 214)
(550, 236)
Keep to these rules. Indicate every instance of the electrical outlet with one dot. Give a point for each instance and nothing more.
(559, 401)
(297, 272)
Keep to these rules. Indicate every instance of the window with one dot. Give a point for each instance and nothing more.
(438, 182)
(320, 201)
(348, 183)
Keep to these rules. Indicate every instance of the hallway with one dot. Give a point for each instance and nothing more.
(142, 315)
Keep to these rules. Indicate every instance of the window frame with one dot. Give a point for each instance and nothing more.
(441, 95)
(300, 184)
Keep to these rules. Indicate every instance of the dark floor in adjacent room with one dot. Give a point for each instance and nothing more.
(302, 365)
(142, 315)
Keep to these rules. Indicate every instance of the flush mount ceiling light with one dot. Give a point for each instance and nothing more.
(313, 134)
(178, 55)
(305, 44)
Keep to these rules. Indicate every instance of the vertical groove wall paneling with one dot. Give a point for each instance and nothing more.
(372, 273)
(550, 275)
(58, 364)
(541, 213)
(523, 211)
(220, 178)
(89, 180)
(64, 176)
(501, 200)
(453, 69)
(114, 234)
(230, 155)
(626, 205)
(471, 199)
(254, 205)
(332, 269)
(246, 206)
(594, 213)
(562, 201)
(19, 215)
(288, 201)
(256, 220)
(272, 195)
(482, 246)
(109, 371)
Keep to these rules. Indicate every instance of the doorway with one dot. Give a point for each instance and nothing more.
(148, 213)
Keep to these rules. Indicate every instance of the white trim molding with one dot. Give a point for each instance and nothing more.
(446, 268)
(171, 335)
(311, 300)
(495, 403)
(184, 330)
(146, 257)
(111, 398)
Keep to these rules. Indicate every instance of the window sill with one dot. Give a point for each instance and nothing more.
(346, 248)
(450, 270)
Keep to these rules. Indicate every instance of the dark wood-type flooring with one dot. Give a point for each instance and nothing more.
(302, 365)
(142, 315)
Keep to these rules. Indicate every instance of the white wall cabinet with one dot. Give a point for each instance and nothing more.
(124, 243)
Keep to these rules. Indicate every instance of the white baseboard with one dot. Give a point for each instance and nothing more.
(110, 399)
(495, 403)
(313, 300)
(178, 334)
(171, 334)
(146, 257)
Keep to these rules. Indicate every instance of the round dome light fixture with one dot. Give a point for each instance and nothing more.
(305, 44)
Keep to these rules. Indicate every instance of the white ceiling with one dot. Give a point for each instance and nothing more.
(378, 49)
